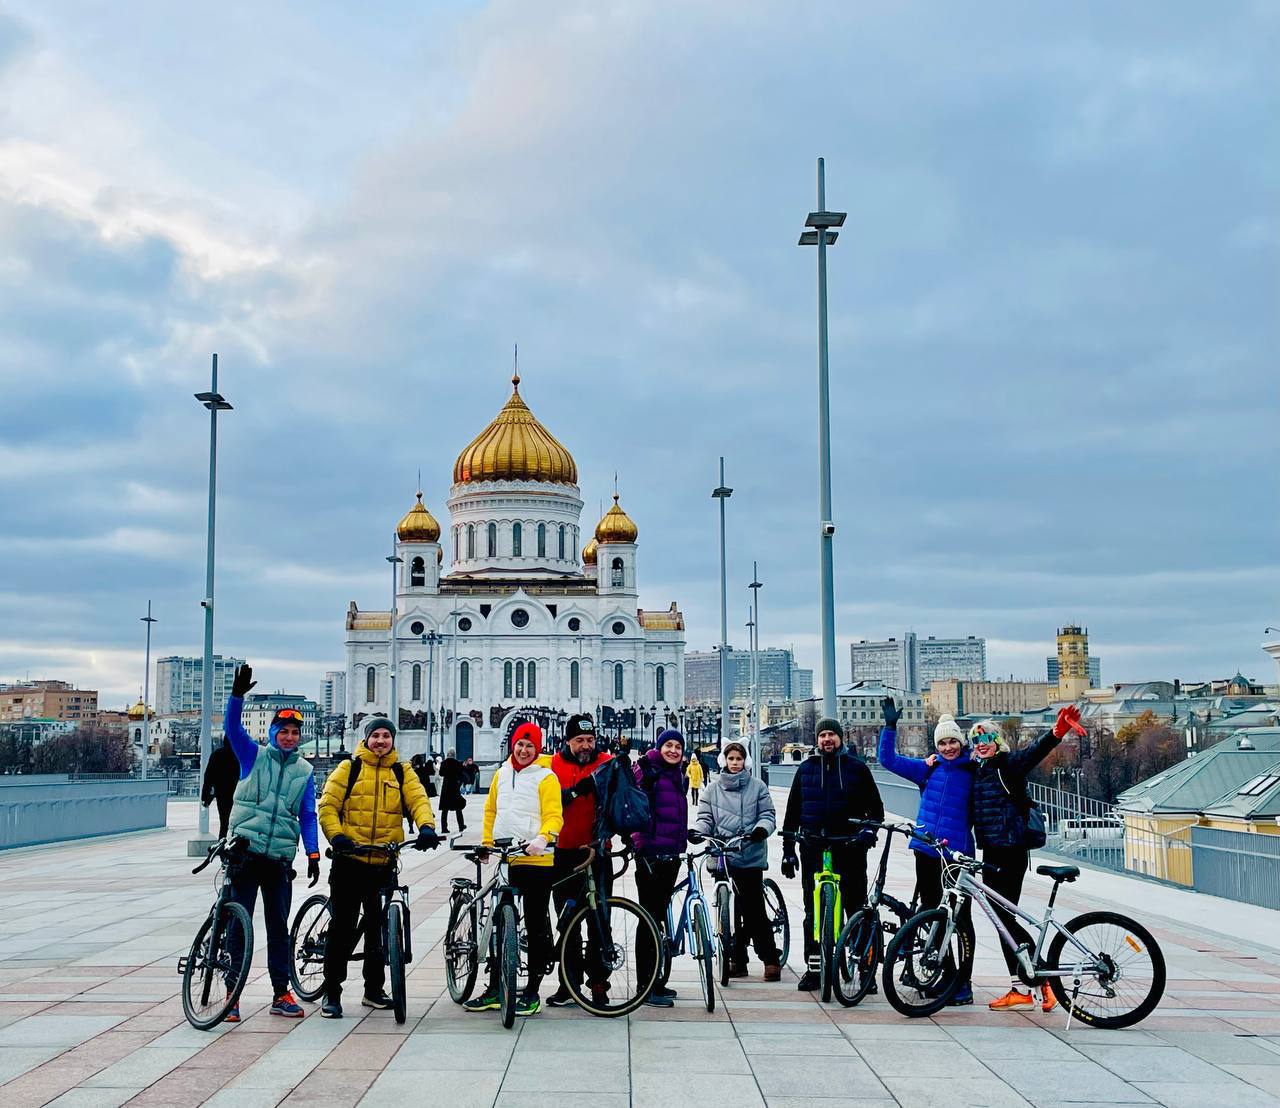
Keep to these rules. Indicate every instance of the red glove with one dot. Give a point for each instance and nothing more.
(1068, 720)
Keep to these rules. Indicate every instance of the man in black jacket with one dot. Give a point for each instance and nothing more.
(829, 789)
(221, 776)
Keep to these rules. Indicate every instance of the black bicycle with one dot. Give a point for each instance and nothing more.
(216, 967)
(309, 935)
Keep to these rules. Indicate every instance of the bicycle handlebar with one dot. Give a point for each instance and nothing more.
(215, 851)
(390, 850)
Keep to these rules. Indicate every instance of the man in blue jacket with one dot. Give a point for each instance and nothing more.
(829, 789)
(275, 803)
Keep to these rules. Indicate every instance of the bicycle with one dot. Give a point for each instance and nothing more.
(827, 905)
(860, 945)
(309, 935)
(221, 951)
(693, 931)
(1116, 955)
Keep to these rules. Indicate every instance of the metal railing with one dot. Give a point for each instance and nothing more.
(1239, 865)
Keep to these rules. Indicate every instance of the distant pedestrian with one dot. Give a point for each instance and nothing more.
(470, 776)
(696, 775)
(451, 793)
(428, 775)
(221, 776)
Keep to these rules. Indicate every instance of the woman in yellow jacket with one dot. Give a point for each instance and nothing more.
(696, 776)
(524, 805)
(365, 802)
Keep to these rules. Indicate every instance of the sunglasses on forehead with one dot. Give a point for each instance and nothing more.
(289, 714)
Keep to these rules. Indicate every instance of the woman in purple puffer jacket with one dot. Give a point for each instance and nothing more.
(660, 772)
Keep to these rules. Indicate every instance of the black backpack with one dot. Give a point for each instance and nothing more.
(624, 807)
(396, 767)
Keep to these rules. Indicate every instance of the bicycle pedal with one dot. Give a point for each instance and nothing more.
(182, 965)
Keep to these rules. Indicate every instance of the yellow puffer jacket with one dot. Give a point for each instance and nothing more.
(373, 814)
(695, 773)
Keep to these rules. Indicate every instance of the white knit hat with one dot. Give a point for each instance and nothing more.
(948, 729)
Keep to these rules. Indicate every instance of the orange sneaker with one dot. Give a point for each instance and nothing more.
(1012, 999)
(1048, 1002)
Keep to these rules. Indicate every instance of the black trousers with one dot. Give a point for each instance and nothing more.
(1011, 862)
(571, 887)
(224, 813)
(355, 887)
(534, 886)
(850, 863)
(751, 923)
(929, 886)
(274, 879)
(655, 882)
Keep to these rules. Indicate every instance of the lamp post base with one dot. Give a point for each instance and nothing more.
(198, 847)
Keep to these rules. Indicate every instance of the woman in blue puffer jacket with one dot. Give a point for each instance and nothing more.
(945, 791)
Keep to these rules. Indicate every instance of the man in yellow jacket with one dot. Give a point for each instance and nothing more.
(524, 805)
(365, 801)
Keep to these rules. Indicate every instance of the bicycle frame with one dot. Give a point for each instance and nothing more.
(489, 894)
(825, 876)
(681, 938)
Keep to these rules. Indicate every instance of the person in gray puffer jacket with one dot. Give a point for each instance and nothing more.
(738, 803)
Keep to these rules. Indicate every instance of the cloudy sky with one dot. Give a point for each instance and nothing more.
(1054, 322)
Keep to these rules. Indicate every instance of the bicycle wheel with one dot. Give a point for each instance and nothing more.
(395, 958)
(307, 939)
(1126, 980)
(776, 912)
(508, 953)
(702, 954)
(922, 968)
(858, 955)
(610, 961)
(826, 939)
(461, 954)
(217, 966)
(724, 932)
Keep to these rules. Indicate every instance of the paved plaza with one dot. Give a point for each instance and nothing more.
(90, 934)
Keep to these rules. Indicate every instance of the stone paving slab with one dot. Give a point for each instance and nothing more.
(90, 1016)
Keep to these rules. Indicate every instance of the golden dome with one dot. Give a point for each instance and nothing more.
(616, 526)
(138, 711)
(515, 447)
(589, 553)
(418, 525)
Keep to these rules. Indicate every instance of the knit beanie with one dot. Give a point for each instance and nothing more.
(827, 724)
(579, 725)
(667, 736)
(948, 729)
(530, 731)
(374, 722)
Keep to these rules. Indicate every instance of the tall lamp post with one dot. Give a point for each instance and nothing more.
(148, 619)
(215, 402)
(393, 709)
(429, 640)
(755, 587)
(722, 493)
(822, 236)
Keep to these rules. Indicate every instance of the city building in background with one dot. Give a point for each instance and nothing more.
(333, 693)
(1052, 671)
(180, 684)
(982, 698)
(779, 676)
(801, 683)
(913, 664)
(1073, 663)
(260, 709)
(51, 700)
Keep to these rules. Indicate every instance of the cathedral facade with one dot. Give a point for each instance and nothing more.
(529, 621)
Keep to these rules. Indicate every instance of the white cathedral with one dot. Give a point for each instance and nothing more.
(528, 623)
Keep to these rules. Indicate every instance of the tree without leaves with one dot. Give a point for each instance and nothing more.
(88, 749)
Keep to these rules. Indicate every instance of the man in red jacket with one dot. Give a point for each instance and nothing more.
(575, 765)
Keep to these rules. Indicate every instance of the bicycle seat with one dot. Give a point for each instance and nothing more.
(1059, 873)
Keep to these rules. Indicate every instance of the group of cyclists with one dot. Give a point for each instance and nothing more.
(973, 789)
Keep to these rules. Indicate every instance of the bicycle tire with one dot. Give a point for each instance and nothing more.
(702, 947)
(776, 911)
(508, 953)
(210, 955)
(724, 933)
(630, 927)
(826, 939)
(307, 940)
(395, 960)
(919, 976)
(858, 956)
(461, 950)
(1134, 936)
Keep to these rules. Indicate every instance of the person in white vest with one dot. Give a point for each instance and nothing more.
(524, 805)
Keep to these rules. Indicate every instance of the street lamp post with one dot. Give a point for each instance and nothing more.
(722, 494)
(148, 619)
(393, 704)
(755, 587)
(215, 402)
(753, 705)
(429, 640)
(822, 236)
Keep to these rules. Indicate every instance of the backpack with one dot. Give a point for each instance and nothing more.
(397, 768)
(1036, 834)
(624, 807)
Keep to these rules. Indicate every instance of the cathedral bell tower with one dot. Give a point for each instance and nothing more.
(615, 553)
(418, 544)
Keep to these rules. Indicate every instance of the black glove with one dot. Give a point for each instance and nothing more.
(789, 864)
(342, 843)
(243, 680)
(892, 713)
(696, 836)
(759, 834)
(313, 871)
(586, 786)
(427, 839)
(867, 838)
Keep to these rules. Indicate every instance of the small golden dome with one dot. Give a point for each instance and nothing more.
(616, 526)
(515, 447)
(589, 553)
(138, 711)
(418, 525)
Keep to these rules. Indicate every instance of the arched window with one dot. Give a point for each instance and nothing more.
(617, 681)
(542, 540)
(506, 680)
(533, 679)
(575, 681)
(457, 543)
(516, 540)
(660, 676)
(573, 554)
(370, 685)
(416, 682)
(562, 542)
(417, 572)
(493, 540)
(464, 681)
(519, 680)
(471, 540)
(617, 577)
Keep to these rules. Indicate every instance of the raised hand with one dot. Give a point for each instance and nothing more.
(243, 680)
(1068, 720)
(892, 713)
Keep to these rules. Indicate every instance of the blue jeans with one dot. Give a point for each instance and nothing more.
(275, 880)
